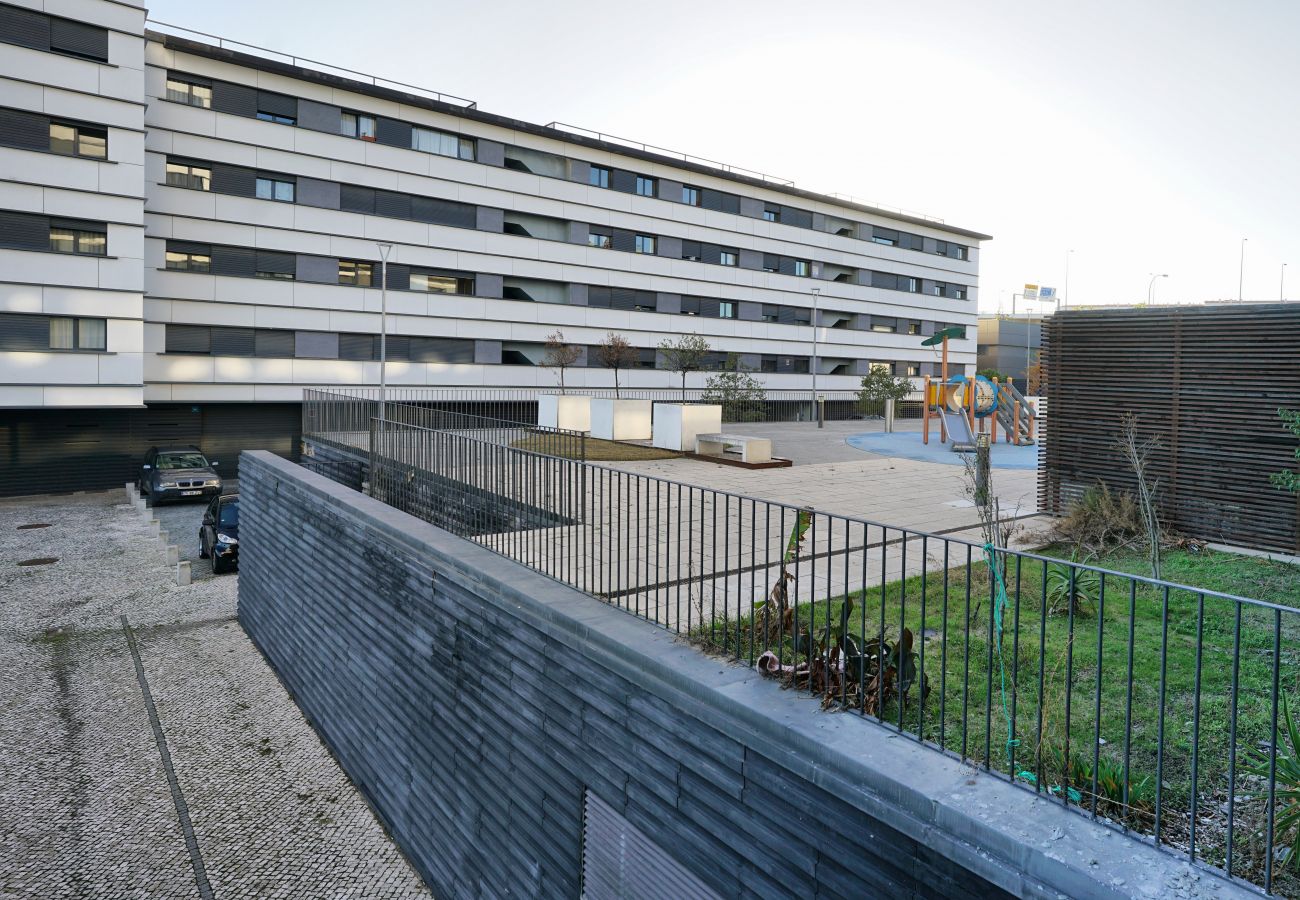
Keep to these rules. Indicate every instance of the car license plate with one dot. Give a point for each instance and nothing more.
(190, 493)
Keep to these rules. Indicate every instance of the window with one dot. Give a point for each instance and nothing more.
(79, 140)
(358, 126)
(772, 213)
(78, 241)
(771, 263)
(600, 239)
(938, 289)
(187, 175)
(771, 313)
(802, 268)
(598, 177)
(959, 291)
(355, 273)
(884, 327)
(885, 236)
(913, 327)
(645, 244)
(274, 189)
(645, 186)
(726, 309)
(442, 143)
(441, 284)
(180, 90)
(912, 370)
(78, 334)
(189, 261)
(690, 306)
(690, 195)
(277, 118)
(729, 257)
(691, 250)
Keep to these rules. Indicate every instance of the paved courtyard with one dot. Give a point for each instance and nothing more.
(88, 805)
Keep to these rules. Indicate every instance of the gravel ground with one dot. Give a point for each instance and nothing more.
(85, 805)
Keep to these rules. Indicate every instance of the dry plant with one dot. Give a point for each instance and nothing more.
(560, 355)
(1137, 453)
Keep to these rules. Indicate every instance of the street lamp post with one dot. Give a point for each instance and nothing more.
(384, 250)
(1241, 272)
(1065, 294)
(1151, 287)
(1281, 288)
(816, 293)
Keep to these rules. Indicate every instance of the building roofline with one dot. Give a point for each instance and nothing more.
(224, 54)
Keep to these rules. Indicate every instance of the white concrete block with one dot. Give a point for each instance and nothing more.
(183, 572)
(621, 420)
(677, 424)
(565, 411)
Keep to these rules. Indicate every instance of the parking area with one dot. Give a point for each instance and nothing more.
(181, 520)
(146, 749)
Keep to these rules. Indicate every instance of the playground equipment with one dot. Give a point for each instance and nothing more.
(967, 406)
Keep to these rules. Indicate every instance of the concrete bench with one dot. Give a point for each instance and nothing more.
(752, 449)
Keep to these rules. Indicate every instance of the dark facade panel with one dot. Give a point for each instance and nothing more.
(24, 130)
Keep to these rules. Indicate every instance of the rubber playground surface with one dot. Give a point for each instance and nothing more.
(907, 444)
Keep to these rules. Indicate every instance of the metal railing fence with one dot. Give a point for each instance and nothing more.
(1150, 706)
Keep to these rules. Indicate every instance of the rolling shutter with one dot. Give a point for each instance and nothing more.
(24, 332)
(277, 104)
(24, 130)
(237, 261)
(441, 350)
(274, 263)
(621, 180)
(78, 38)
(797, 217)
(623, 240)
(271, 342)
(236, 99)
(711, 253)
(601, 297)
(444, 212)
(399, 277)
(355, 198)
(232, 342)
(237, 180)
(24, 231)
(316, 345)
(188, 339)
(786, 265)
(397, 346)
(620, 860)
(24, 27)
(711, 199)
(357, 346)
(392, 204)
(393, 133)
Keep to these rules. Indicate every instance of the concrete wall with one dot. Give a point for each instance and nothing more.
(473, 701)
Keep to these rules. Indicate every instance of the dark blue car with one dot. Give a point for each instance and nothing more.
(219, 533)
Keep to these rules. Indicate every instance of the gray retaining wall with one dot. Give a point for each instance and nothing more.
(474, 701)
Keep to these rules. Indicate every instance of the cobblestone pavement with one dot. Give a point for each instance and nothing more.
(85, 805)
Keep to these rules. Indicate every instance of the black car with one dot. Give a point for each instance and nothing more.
(178, 473)
(219, 533)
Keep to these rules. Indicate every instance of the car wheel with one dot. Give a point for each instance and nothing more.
(218, 567)
(203, 552)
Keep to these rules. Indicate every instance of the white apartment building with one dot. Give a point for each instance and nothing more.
(191, 235)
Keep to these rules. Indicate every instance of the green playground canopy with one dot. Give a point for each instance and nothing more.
(940, 337)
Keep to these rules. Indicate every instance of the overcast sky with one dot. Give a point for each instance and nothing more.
(1147, 137)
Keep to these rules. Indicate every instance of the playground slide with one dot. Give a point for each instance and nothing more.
(959, 432)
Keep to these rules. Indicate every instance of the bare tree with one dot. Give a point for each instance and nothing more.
(616, 353)
(685, 355)
(1137, 453)
(560, 355)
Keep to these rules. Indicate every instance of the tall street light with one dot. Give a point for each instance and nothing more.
(1065, 294)
(1151, 287)
(1281, 288)
(1241, 272)
(816, 293)
(384, 250)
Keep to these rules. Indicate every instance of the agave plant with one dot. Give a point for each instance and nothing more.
(1286, 825)
(1064, 593)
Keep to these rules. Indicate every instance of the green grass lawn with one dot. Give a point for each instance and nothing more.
(1083, 662)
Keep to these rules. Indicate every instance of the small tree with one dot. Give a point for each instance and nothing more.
(740, 393)
(616, 353)
(1289, 481)
(685, 355)
(560, 355)
(880, 385)
(1137, 453)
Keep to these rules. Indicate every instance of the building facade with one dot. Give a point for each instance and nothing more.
(1009, 344)
(188, 231)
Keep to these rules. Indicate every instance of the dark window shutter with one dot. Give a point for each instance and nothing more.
(24, 231)
(711, 253)
(624, 240)
(79, 38)
(24, 130)
(690, 249)
(772, 261)
(236, 99)
(797, 217)
(24, 27)
(273, 342)
(189, 247)
(392, 204)
(237, 261)
(885, 280)
(622, 298)
(711, 199)
(787, 265)
(189, 339)
(444, 212)
(398, 347)
(786, 316)
(277, 104)
(730, 204)
(358, 346)
(441, 350)
(399, 277)
(23, 332)
(232, 342)
(237, 180)
(647, 299)
(355, 198)
(393, 133)
(276, 263)
(599, 296)
(623, 181)
(709, 307)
